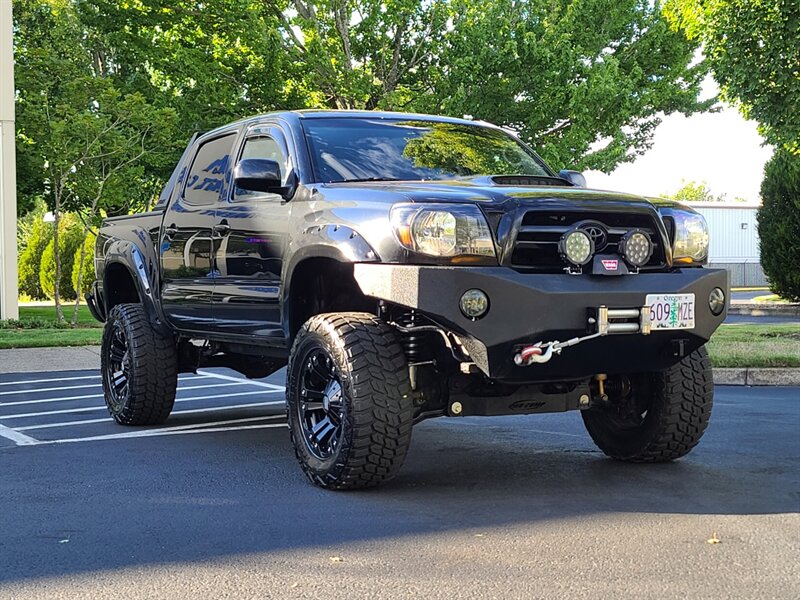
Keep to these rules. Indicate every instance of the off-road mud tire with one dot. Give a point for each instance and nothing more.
(378, 408)
(152, 362)
(677, 416)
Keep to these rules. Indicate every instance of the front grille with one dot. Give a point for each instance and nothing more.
(536, 245)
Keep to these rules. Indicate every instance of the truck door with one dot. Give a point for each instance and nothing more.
(187, 252)
(251, 228)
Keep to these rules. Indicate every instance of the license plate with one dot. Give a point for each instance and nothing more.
(671, 311)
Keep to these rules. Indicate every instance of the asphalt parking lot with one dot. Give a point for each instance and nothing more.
(212, 504)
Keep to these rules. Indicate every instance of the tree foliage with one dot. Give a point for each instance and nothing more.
(36, 239)
(583, 81)
(779, 224)
(753, 47)
(69, 241)
(693, 191)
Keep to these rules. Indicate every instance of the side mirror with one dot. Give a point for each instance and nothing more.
(258, 175)
(576, 178)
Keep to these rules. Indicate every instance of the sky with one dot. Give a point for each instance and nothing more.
(722, 149)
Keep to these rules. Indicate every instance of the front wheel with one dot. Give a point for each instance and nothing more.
(349, 401)
(655, 417)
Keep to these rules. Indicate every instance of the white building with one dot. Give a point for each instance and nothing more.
(733, 230)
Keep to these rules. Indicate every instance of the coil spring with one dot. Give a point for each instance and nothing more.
(417, 346)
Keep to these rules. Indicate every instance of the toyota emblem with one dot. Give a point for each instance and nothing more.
(596, 232)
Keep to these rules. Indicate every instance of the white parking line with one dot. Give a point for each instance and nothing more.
(158, 432)
(47, 400)
(177, 412)
(23, 381)
(20, 439)
(94, 408)
(49, 380)
(247, 381)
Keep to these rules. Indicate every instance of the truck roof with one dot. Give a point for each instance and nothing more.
(315, 113)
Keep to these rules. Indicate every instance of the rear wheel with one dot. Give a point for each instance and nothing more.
(139, 367)
(655, 417)
(349, 401)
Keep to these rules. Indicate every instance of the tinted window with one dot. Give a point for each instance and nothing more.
(207, 175)
(350, 148)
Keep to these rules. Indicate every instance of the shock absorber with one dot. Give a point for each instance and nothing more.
(417, 345)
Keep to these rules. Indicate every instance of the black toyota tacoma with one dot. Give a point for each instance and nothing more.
(406, 267)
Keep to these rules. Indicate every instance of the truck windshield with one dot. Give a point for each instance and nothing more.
(363, 149)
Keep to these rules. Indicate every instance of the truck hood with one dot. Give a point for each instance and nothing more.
(484, 191)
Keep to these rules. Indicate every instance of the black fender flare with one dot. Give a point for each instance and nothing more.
(144, 276)
(338, 242)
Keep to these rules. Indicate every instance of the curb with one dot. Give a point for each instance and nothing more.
(760, 310)
(756, 376)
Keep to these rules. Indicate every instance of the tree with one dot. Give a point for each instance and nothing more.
(585, 82)
(83, 266)
(753, 48)
(692, 191)
(58, 282)
(779, 224)
(92, 143)
(37, 239)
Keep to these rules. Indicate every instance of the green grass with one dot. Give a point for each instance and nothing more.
(37, 327)
(41, 338)
(756, 346)
(48, 313)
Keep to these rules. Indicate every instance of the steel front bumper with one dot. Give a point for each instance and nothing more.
(525, 309)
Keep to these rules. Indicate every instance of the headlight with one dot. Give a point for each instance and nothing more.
(442, 230)
(691, 237)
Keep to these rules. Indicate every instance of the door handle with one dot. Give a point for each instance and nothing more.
(221, 228)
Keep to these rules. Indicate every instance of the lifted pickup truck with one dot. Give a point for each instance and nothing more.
(408, 267)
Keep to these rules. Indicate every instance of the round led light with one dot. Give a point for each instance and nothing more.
(636, 247)
(474, 304)
(716, 301)
(577, 247)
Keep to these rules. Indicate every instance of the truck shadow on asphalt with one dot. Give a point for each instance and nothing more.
(137, 502)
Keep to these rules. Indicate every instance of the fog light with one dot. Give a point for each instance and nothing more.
(474, 304)
(636, 247)
(716, 301)
(576, 246)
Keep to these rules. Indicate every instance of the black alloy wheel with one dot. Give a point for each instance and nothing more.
(321, 410)
(116, 373)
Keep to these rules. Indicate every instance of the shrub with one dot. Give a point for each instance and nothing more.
(70, 236)
(779, 224)
(88, 265)
(37, 236)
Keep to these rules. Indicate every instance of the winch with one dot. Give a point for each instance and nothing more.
(608, 321)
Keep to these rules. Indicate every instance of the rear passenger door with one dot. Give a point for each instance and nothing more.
(252, 235)
(187, 245)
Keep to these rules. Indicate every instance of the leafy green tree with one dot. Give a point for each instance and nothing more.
(91, 143)
(779, 224)
(83, 266)
(69, 239)
(585, 82)
(692, 191)
(36, 239)
(753, 47)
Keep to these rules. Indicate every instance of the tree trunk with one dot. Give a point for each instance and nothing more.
(57, 256)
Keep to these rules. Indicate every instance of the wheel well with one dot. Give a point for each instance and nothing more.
(322, 285)
(119, 286)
